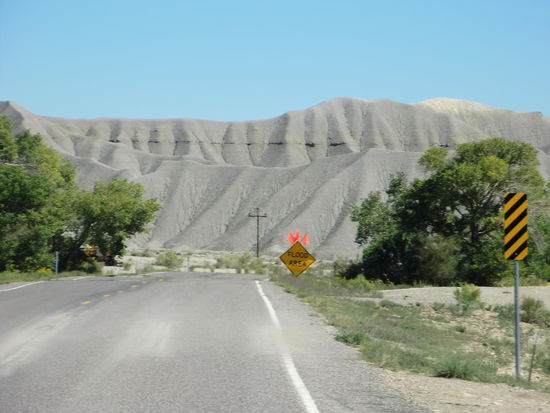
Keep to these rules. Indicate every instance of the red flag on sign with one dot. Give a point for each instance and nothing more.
(294, 237)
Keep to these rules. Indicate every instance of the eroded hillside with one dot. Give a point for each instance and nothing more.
(304, 168)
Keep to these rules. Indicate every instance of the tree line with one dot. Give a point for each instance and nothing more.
(447, 228)
(43, 211)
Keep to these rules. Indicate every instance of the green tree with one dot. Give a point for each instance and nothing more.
(538, 260)
(375, 217)
(456, 208)
(25, 224)
(106, 217)
(463, 195)
(42, 210)
(462, 198)
(8, 148)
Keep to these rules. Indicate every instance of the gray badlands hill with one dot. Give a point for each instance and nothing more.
(304, 168)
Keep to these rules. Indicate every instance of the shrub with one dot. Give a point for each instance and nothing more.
(354, 338)
(465, 367)
(388, 303)
(532, 311)
(361, 283)
(544, 364)
(169, 259)
(347, 269)
(468, 297)
(505, 311)
(90, 266)
(438, 306)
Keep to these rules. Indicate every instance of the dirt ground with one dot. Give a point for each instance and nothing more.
(440, 395)
(444, 295)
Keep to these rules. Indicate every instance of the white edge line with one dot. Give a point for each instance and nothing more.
(80, 278)
(297, 381)
(21, 286)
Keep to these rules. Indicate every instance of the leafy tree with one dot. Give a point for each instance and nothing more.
(32, 153)
(463, 194)
(25, 226)
(106, 217)
(451, 219)
(8, 148)
(538, 259)
(375, 218)
(42, 210)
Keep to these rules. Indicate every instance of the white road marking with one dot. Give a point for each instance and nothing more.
(297, 381)
(81, 278)
(21, 286)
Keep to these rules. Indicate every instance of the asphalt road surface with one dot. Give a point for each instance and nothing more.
(176, 342)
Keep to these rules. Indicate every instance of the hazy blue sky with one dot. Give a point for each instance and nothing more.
(241, 60)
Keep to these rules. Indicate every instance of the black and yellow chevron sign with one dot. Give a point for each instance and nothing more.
(515, 226)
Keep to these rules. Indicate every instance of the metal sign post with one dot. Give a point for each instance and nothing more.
(515, 248)
(517, 320)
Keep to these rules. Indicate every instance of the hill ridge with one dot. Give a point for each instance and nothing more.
(304, 168)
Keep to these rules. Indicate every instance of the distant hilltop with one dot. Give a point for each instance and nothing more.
(334, 127)
(303, 168)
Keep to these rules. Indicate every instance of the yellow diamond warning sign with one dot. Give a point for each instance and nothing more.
(297, 259)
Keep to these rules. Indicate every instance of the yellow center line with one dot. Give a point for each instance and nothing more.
(85, 302)
(106, 295)
(120, 291)
(134, 286)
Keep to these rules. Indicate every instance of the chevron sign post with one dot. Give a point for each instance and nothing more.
(515, 248)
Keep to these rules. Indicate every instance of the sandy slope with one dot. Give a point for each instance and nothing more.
(304, 168)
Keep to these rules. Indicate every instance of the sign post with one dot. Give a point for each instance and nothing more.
(297, 259)
(56, 262)
(515, 248)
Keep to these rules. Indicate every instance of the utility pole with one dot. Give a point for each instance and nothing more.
(256, 214)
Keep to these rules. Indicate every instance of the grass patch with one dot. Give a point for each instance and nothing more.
(389, 335)
(465, 367)
(353, 338)
(436, 340)
(12, 277)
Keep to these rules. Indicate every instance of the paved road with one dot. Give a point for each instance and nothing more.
(176, 343)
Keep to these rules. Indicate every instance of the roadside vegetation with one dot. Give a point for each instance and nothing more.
(467, 340)
(446, 229)
(43, 211)
(443, 230)
(43, 274)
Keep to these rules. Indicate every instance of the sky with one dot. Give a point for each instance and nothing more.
(244, 60)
